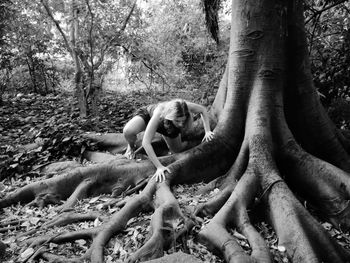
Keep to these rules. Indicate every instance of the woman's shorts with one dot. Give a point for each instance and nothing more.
(143, 113)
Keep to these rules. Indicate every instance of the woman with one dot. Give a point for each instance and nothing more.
(170, 119)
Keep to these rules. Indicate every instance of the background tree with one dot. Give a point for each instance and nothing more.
(327, 25)
(176, 55)
(28, 51)
(90, 39)
(5, 13)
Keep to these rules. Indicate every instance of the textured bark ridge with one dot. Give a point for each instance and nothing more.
(272, 139)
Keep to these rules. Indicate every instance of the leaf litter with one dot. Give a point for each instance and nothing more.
(31, 137)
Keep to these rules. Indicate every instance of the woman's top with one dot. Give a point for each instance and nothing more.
(165, 127)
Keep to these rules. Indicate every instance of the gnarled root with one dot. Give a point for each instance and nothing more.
(63, 237)
(79, 193)
(326, 186)
(117, 223)
(63, 219)
(303, 237)
(58, 259)
(228, 185)
(234, 213)
(166, 220)
(114, 176)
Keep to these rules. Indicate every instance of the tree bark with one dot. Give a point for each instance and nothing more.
(78, 79)
(31, 68)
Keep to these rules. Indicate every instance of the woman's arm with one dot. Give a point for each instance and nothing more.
(150, 131)
(196, 108)
(147, 144)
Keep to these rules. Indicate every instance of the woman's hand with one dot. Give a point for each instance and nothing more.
(160, 174)
(208, 136)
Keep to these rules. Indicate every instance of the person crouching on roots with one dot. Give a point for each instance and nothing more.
(170, 119)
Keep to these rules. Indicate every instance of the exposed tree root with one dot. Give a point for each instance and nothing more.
(10, 225)
(112, 142)
(112, 177)
(58, 259)
(80, 192)
(63, 237)
(234, 214)
(228, 185)
(58, 167)
(329, 185)
(344, 138)
(9, 228)
(119, 220)
(115, 143)
(98, 157)
(303, 237)
(166, 220)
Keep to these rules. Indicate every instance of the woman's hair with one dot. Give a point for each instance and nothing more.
(175, 109)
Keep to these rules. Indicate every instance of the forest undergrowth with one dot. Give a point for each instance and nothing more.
(36, 130)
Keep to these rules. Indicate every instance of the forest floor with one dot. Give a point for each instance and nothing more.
(35, 130)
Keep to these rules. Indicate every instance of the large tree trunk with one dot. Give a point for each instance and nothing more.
(272, 138)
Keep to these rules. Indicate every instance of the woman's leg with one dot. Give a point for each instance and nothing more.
(130, 131)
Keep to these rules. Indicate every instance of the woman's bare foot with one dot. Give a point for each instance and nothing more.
(130, 153)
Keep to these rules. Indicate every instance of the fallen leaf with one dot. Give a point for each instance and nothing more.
(97, 222)
(94, 200)
(117, 247)
(27, 253)
(26, 224)
(239, 236)
(81, 242)
(34, 220)
(109, 259)
(281, 248)
(327, 226)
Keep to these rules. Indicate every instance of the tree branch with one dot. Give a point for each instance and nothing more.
(325, 8)
(109, 43)
(49, 13)
(91, 68)
(90, 41)
(144, 62)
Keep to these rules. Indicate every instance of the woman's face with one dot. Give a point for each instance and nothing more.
(179, 122)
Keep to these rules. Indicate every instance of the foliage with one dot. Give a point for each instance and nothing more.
(329, 36)
(101, 28)
(6, 13)
(36, 57)
(174, 47)
(27, 47)
(166, 44)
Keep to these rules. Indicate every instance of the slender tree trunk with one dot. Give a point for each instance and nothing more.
(45, 82)
(32, 73)
(78, 78)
